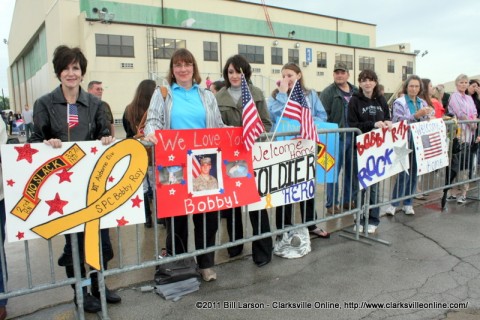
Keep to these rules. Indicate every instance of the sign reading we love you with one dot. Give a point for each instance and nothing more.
(382, 153)
(285, 172)
(327, 152)
(82, 186)
(202, 170)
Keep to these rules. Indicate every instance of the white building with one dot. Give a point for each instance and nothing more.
(126, 41)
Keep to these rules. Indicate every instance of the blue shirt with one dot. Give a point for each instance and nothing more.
(413, 107)
(188, 111)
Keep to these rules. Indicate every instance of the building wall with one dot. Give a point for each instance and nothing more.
(229, 23)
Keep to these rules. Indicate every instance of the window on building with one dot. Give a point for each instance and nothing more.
(164, 48)
(345, 58)
(321, 59)
(110, 45)
(390, 66)
(366, 63)
(253, 54)
(410, 67)
(210, 51)
(277, 56)
(294, 56)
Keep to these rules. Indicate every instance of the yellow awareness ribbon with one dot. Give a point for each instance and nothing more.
(30, 200)
(268, 200)
(101, 201)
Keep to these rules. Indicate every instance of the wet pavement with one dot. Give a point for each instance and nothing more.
(430, 270)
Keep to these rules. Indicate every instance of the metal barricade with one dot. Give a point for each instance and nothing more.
(133, 245)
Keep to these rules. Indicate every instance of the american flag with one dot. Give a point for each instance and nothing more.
(72, 117)
(195, 167)
(252, 126)
(297, 109)
(432, 145)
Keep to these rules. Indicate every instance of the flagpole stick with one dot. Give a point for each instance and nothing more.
(283, 111)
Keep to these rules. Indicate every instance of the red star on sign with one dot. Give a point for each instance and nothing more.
(20, 235)
(25, 152)
(64, 176)
(10, 182)
(56, 205)
(136, 202)
(110, 179)
(94, 150)
(121, 222)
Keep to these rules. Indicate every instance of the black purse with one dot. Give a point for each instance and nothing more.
(177, 270)
(456, 145)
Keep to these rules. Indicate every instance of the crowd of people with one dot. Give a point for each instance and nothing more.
(186, 104)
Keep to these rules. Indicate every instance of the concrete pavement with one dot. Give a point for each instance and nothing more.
(434, 257)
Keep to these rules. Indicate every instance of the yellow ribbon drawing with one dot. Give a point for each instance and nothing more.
(100, 201)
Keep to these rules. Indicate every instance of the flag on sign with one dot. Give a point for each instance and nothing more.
(252, 125)
(72, 116)
(432, 145)
(297, 109)
(195, 167)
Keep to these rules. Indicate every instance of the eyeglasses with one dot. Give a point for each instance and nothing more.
(182, 65)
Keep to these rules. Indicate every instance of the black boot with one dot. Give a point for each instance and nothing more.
(148, 212)
(90, 303)
(110, 296)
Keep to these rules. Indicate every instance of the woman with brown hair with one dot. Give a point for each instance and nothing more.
(131, 121)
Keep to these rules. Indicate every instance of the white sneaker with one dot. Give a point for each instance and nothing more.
(461, 199)
(360, 229)
(390, 210)
(208, 274)
(408, 210)
(372, 228)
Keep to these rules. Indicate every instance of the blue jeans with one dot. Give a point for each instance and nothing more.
(349, 190)
(406, 184)
(3, 302)
(28, 129)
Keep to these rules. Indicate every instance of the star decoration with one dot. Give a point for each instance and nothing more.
(402, 156)
(219, 150)
(172, 192)
(238, 184)
(25, 152)
(94, 150)
(20, 235)
(236, 153)
(221, 191)
(10, 182)
(64, 176)
(110, 179)
(171, 157)
(56, 205)
(121, 222)
(136, 202)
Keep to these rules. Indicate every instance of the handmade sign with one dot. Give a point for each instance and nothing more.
(327, 151)
(382, 153)
(202, 170)
(82, 186)
(431, 149)
(284, 172)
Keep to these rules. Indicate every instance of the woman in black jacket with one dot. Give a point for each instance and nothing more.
(367, 110)
(69, 113)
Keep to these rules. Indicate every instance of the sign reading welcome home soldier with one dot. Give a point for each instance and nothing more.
(82, 186)
(431, 150)
(285, 172)
(382, 153)
(327, 151)
(202, 170)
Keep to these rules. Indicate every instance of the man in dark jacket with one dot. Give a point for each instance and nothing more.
(335, 99)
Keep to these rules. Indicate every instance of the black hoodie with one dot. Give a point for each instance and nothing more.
(364, 112)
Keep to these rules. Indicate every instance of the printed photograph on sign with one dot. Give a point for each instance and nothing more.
(237, 169)
(171, 175)
(204, 178)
